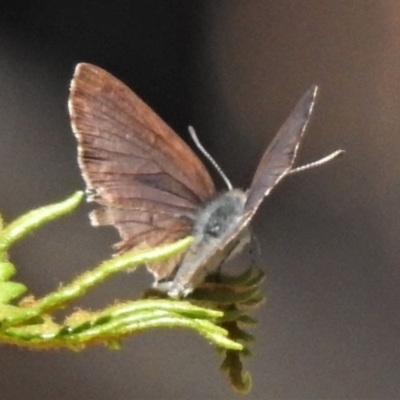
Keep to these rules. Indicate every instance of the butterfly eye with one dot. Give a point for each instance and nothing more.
(220, 215)
(220, 219)
(213, 228)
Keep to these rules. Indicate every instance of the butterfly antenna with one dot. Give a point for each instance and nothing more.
(317, 163)
(208, 156)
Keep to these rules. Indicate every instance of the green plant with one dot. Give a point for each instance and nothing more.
(215, 310)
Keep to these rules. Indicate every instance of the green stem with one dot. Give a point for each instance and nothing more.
(34, 219)
(87, 280)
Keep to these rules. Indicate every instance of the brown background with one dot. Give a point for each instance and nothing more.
(234, 70)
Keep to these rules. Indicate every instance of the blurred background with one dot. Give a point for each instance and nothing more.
(234, 70)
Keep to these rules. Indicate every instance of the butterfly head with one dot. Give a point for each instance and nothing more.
(218, 230)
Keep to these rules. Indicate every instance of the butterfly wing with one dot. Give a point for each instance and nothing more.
(148, 180)
(280, 155)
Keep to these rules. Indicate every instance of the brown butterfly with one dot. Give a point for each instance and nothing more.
(155, 190)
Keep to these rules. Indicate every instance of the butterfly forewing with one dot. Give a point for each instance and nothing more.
(149, 180)
(280, 155)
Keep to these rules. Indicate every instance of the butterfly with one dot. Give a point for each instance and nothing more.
(154, 190)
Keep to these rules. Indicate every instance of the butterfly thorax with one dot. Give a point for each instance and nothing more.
(217, 232)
